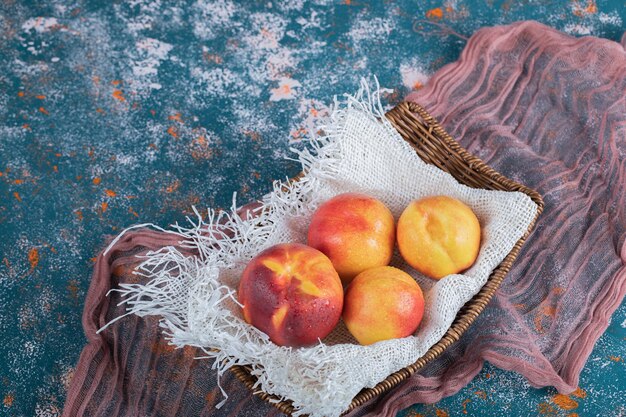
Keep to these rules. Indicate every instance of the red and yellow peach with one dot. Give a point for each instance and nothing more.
(292, 293)
(382, 303)
(356, 231)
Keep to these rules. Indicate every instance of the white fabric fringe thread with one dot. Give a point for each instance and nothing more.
(359, 152)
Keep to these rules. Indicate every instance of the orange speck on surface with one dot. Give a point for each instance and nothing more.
(201, 140)
(314, 112)
(97, 181)
(189, 352)
(40, 96)
(417, 85)
(17, 196)
(564, 402)
(162, 347)
(213, 58)
(545, 409)
(172, 131)
(25, 126)
(8, 400)
(441, 413)
(117, 94)
(95, 79)
(43, 110)
(481, 394)
(584, 10)
(172, 187)
(200, 148)
(435, 14)
(579, 393)
(18, 182)
(33, 258)
(299, 133)
(20, 94)
(591, 7)
(175, 117)
(464, 404)
(133, 212)
(99, 110)
(116, 82)
(58, 154)
(110, 193)
(104, 206)
(55, 168)
(79, 214)
(449, 9)
(210, 397)
(72, 288)
(152, 112)
(255, 136)
(616, 358)
(546, 311)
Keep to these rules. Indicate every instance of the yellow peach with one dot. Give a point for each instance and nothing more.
(438, 236)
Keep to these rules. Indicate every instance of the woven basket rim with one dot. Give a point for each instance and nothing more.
(421, 135)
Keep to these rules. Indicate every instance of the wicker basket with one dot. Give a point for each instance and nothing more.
(435, 146)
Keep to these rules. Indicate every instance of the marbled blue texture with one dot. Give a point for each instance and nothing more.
(115, 113)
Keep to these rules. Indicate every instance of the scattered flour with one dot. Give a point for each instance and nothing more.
(152, 51)
(285, 90)
(610, 18)
(212, 16)
(577, 29)
(413, 75)
(377, 28)
(41, 24)
(313, 21)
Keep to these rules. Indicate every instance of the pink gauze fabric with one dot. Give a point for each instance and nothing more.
(543, 108)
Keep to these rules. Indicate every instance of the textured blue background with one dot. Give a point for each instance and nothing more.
(119, 113)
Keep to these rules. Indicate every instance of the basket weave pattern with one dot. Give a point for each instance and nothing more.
(436, 147)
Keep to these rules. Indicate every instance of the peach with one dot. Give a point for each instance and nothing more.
(382, 303)
(438, 236)
(292, 293)
(356, 231)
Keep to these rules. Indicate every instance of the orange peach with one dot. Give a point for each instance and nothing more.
(355, 231)
(438, 236)
(382, 303)
(292, 293)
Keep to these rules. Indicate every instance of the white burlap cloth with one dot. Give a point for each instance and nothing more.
(359, 152)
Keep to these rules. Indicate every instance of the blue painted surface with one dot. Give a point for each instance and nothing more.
(119, 113)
